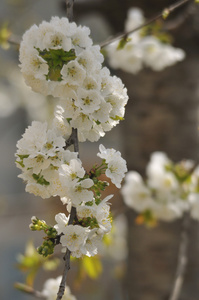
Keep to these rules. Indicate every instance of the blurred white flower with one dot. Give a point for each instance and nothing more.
(51, 287)
(142, 51)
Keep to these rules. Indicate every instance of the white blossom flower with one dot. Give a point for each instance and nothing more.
(79, 192)
(62, 222)
(72, 171)
(116, 165)
(51, 287)
(89, 100)
(74, 237)
(73, 73)
(141, 50)
(161, 194)
(157, 56)
(91, 244)
(135, 194)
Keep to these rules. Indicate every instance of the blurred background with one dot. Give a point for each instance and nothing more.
(161, 115)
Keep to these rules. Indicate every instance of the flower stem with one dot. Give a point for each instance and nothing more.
(167, 10)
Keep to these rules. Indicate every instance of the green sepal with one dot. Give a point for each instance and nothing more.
(20, 163)
(40, 179)
(117, 118)
(122, 43)
(56, 59)
(22, 156)
(89, 203)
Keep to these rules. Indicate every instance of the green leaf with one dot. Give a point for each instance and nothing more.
(68, 120)
(30, 262)
(89, 203)
(20, 163)
(92, 266)
(117, 118)
(56, 59)
(156, 29)
(23, 156)
(98, 122)
(40, 179)
(51, 264)
(122, 43)
(5, 34)
(54, 74)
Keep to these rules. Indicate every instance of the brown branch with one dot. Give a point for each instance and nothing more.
(165, 11)
(73, 216)
(67, 260)
(69, 9)
(182, 259)
(72, 140)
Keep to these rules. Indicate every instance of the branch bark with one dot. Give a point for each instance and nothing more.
(67, 260)
(69, 9)
(182, 259)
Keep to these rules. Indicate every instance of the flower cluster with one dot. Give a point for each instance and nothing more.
(138, 51)
(50, 170)
(169, 191)
(93, 214)
(51, 287)
(94, 221)
(58, 58)
(39, 155)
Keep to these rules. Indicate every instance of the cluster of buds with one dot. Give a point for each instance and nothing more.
(50, 240)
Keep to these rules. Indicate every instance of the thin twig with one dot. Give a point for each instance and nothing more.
(29, 290)
(67, 260)
(69, 9)
(180, 18)
(72, 140)
(158, 16)
(182, 259)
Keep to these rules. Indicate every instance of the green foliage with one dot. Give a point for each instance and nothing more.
(40, 179)
(56, 59)
(90, 267)
(50, 240)
(30, 262)
(156, 29)
(21, 160)
(117, 118)
(122, 43)
(47, 248)
(89, 222)
(5, 34)
(180, 171)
